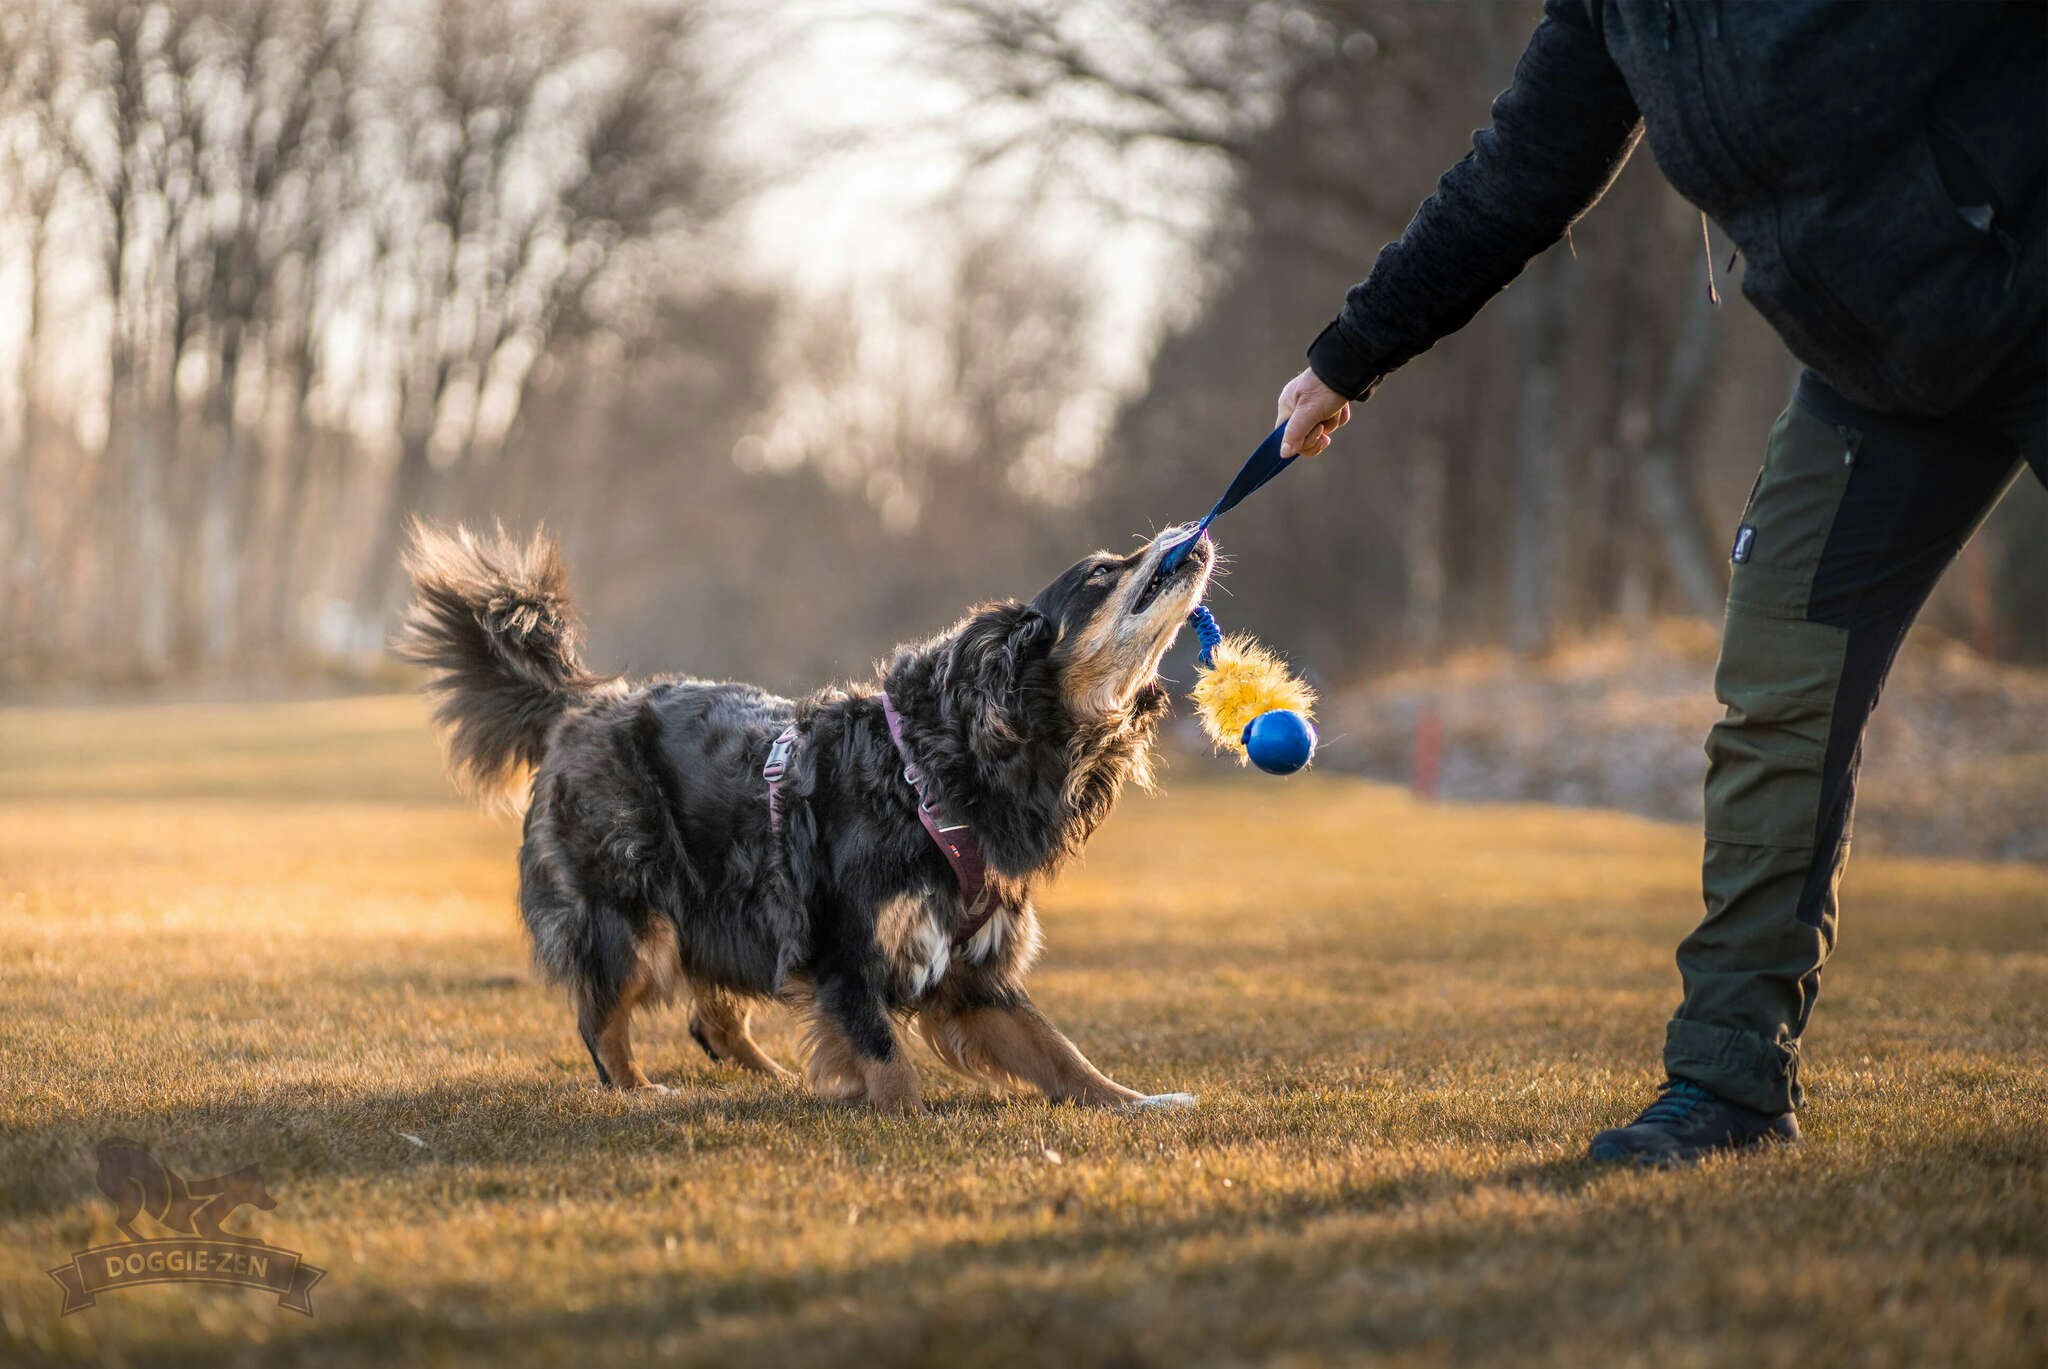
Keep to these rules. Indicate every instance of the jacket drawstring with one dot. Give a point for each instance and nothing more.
(1707, 239)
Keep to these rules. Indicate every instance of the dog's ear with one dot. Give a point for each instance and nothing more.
(1029, 643)
(1026, 684)
(1015, 653)
(1000, 660)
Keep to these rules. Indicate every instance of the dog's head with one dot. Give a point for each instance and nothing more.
(1111, 618)
(1078, 655)
(1044, 710)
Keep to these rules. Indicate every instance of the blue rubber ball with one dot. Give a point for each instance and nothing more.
(1279, 742)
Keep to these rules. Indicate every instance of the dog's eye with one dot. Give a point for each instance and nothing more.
(1099, 572)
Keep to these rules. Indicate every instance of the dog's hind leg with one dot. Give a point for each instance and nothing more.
(607, 1030)
(718, 1024)
(605, 1020)
(1010, 1043)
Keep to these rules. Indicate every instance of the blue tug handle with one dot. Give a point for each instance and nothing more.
(1262, 465)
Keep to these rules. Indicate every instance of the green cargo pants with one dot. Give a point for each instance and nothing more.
(1852, 520)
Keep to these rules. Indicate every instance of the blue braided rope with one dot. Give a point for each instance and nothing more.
(1211, 635)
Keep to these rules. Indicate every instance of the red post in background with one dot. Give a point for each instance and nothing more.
(1428, 772)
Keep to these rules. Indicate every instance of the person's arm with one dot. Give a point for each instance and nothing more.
(1560, 133)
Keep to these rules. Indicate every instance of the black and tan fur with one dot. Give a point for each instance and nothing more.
(650, 870)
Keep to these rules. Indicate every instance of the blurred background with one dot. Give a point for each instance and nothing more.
(806, 324)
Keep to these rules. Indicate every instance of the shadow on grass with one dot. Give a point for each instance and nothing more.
(1354, 1272)
(962, 1301)
(305, 1137)
(1424, 1258)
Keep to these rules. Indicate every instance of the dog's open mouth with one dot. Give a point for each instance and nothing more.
(1189, 564)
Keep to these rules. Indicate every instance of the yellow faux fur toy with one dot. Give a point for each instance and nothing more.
(1250, 702)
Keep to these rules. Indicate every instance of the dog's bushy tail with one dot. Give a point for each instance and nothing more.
(491, 618)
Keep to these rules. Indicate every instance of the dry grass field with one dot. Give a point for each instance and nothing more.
(266, 934)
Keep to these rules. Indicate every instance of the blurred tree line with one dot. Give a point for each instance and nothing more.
(282, 273)
(289, 271)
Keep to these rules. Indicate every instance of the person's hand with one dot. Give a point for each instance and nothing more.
(1312, 412)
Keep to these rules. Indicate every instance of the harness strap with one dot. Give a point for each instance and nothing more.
(778, 765)
(956, 841)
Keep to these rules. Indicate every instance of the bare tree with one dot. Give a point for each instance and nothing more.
(34, 177)
(1537, 496)
(1669, 492)
(950, 396)
(310, 282)
(118, 124)
(273, 110)
(535, 144)
(314, 224)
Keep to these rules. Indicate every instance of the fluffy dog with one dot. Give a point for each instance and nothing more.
(652, 865)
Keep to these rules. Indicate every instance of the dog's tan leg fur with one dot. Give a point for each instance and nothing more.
(892, 1084)
(719, 1022)
(835, 1070)
(655, 975)
(830, 1067)
(1017, 1046)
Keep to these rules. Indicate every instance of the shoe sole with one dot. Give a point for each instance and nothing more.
(1615, 1155)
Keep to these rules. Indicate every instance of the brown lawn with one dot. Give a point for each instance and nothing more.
(266, 934)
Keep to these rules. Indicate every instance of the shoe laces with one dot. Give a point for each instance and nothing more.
(1679, 1100)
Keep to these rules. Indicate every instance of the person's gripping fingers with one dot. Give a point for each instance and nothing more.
(1312, 412)
(1326, 432)
(1304, 435)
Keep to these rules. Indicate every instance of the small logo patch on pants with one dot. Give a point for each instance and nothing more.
(1745, 538)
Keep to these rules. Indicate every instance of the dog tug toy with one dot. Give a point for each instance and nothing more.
(1249, 701)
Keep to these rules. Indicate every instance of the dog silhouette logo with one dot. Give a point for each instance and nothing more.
(139, 1183)
(199, 1249)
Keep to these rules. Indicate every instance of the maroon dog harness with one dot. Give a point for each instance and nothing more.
(956, 841)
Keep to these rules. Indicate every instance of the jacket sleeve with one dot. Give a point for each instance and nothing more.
(1560, 134)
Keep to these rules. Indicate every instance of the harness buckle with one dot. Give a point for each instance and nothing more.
(914, 777)
(778, 755)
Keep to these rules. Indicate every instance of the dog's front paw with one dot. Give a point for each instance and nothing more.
(891, 1085)
(1161, 1102)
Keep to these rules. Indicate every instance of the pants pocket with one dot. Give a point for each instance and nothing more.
(1807, 465)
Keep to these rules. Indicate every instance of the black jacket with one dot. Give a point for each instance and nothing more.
(1881, 166)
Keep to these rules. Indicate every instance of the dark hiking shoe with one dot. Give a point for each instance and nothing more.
(1686, 1124)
